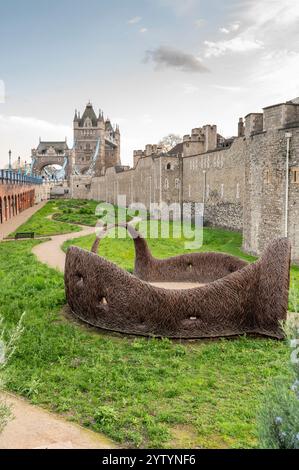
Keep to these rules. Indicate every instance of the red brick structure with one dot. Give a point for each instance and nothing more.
(17, 193)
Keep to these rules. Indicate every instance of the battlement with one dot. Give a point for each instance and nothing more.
(278, 116)
(201, 140)
(253, 123)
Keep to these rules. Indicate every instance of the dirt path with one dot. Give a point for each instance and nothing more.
(50, 252)
(35, 428)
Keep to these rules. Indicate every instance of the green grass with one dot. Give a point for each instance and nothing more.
(42, 225)
(140, 392)
(121, 250)
(61, 216)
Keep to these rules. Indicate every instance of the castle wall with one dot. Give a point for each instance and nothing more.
(242, 186)
(153, 179)
(264, 199)
(217, 180)
(80, 187)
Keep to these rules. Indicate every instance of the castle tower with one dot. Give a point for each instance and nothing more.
(96, 143)
(117, 140)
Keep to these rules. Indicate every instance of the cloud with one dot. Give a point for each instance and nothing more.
(279, 68)
(169, 57)
(270, 12)
(189, 89)
(230, 29)
(135, 20)
(2, 92)
(143, 30)
(180, 7)
(147, 119)
(238, 44)
(224, 30)
(233, 89)
(258, 25)
(29, 128)
(199, 22)
(33, 123)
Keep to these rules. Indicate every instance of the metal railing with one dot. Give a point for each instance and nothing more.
(14, 177)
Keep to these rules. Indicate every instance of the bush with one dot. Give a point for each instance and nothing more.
(8, 340)
(279, 417)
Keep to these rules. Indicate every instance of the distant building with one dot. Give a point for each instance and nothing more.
(96, 148)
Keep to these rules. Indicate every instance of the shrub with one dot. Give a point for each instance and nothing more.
(279, 416)
(8, 341)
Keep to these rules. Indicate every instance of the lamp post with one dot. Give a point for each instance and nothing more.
(288, 136)
(9, 160)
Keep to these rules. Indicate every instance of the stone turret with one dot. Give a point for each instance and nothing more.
(253, 123)
(241, 128)
(210, 134)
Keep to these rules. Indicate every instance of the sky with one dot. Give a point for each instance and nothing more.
(153, 66)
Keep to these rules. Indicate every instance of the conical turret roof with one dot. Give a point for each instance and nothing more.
(89, 113)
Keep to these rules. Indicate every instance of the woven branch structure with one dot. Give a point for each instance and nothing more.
(233, 297)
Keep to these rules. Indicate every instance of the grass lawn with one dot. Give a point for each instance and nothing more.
(41, 224)
(61, 216)
(140, 392)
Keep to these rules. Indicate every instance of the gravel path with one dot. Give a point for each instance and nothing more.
(35, 428)
(50, 252)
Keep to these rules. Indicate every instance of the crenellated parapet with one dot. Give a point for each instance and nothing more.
(275, 117)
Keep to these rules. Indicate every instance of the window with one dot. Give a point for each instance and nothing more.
(222, 191)
(295, 175)
(166, 183)
(238, 191)
(168, 166)
(177, 183)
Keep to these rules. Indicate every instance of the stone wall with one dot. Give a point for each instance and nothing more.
(242, 185)
(217, 180)
(152, 180)
(264, 199)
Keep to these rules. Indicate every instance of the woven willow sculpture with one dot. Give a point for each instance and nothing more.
(236, 297)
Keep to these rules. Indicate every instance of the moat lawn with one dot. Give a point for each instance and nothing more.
(140, 392)
(61, 216)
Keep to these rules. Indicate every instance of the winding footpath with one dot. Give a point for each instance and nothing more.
(32, 427)
(50, 252)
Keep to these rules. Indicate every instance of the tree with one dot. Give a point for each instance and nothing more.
(170, 141)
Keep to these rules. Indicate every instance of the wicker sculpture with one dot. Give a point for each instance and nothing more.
(236, 298)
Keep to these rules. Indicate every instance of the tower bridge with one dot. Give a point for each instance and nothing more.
(96, 148)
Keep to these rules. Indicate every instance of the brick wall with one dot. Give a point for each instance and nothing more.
(14, 198)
